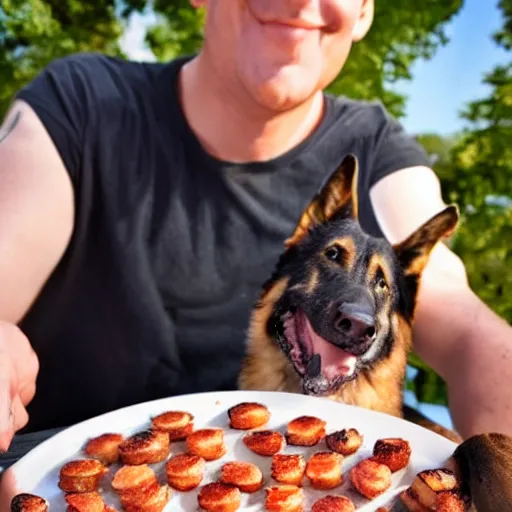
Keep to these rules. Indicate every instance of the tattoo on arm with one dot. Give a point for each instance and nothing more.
(10, 126)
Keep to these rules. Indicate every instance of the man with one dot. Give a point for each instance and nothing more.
(143, 205)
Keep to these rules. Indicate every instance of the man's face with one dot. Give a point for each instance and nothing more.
(280, 52)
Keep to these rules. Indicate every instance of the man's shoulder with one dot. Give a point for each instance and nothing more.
(107, 77)
(364, 118)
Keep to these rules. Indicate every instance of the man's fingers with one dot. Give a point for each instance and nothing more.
(19, 414)
(6, 418)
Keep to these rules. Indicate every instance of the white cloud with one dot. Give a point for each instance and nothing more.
(132, 42)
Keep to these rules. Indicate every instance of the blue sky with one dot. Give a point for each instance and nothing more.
(440, 87)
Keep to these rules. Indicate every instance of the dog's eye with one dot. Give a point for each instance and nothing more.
(381, 284)
(334, 253)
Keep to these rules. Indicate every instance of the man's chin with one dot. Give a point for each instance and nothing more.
(281, 89)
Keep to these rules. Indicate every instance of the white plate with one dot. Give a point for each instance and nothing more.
(37, 472)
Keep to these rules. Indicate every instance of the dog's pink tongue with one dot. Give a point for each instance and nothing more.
(335, 362)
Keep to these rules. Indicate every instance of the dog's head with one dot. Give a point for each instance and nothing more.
(344, 289)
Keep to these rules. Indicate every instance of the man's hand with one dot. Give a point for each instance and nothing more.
(18, 371)
(455, 332)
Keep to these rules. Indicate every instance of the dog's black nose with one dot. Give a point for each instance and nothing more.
(355, 321)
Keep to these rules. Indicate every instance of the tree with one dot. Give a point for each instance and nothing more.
(34, 32)
(475, 169)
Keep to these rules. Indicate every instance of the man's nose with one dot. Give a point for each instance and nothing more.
(355, 321)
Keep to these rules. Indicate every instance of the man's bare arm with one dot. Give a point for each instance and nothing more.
(36, 222)
(36, 210)
(455, 332)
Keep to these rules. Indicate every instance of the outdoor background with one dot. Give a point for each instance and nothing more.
(443, 67)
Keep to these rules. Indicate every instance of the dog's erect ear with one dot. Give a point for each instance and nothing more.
(337, 196)
(413, 253)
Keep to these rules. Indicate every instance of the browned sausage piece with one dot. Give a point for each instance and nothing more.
(333, 504)
(25, 502)
(156, 503)
(81, 475)
(146, 447)
(288, 468)
(265, 442)
(178, 424)
(207, 443)
(392, 452)
(346, 441)
(219, 497)
(435, 488)
(370, 478)
(244, 475)
(284, 498)
(105, 448)
(135, 484)
(247, 415)
(305, 431)
(324, 470)
(185, 471)
(85, 502)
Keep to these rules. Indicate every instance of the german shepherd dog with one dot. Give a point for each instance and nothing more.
(335, 319)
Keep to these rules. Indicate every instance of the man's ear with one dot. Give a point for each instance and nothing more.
(364, 21)
(337, 197)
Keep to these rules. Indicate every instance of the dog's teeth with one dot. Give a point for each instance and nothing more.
(314, 365)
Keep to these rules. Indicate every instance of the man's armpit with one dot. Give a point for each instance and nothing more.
(11, 121)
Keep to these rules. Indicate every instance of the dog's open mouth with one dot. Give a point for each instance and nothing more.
(322, 366)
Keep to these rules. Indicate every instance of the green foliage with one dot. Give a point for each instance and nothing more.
(475, 169)
(34, 32)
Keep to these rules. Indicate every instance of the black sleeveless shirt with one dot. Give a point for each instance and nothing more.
(171, 246)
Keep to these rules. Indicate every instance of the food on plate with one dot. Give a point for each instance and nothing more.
(305, 431)
(105, 448)
(346, 441)
(248, 415)
(81, 475)
(25, 502)
(207, 443)
(146, 447)
(156, 502)
(333, 504)
(284, 498)
(185, 471)
(324, 470)
(288, 468)
(369, 478)
(244, 475)
(85, 502)
(265, 442)
(434, 489)
(219, 497)
(135, 484)
(178, 424)
(392, 452)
